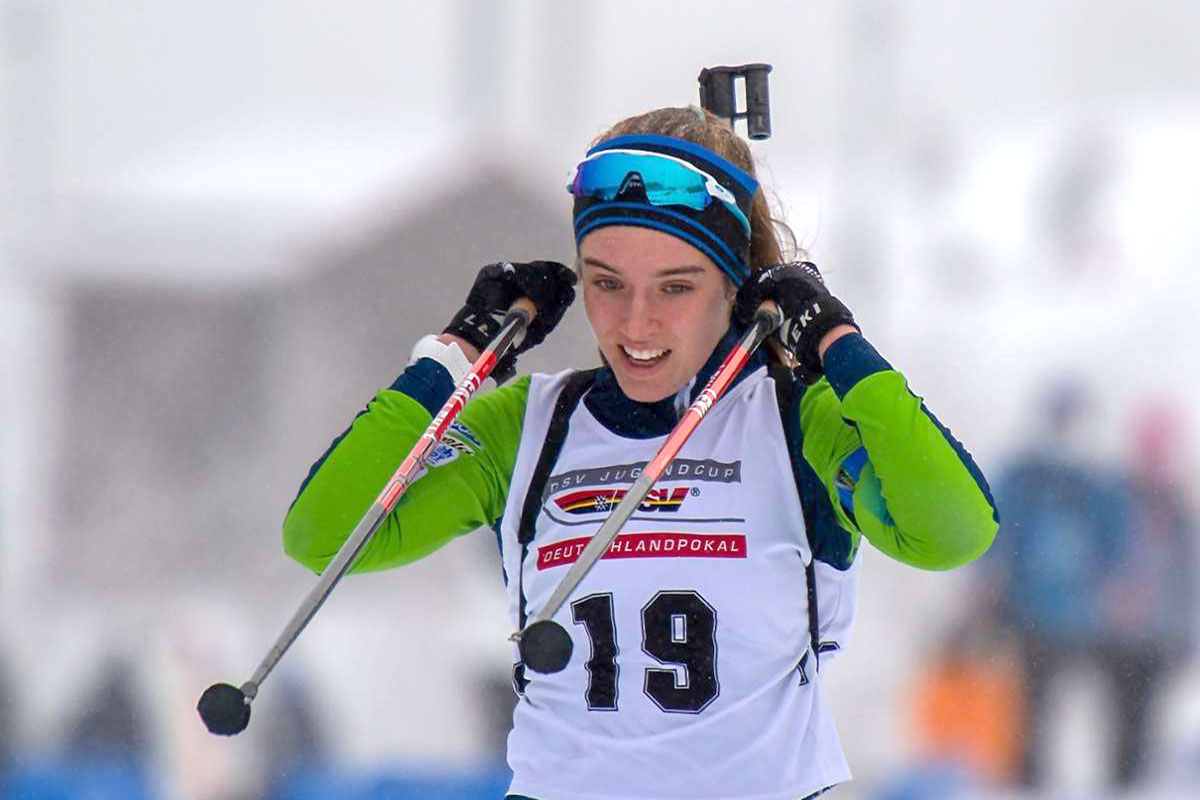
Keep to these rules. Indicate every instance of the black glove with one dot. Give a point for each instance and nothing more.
(809, 310)
(497, 286)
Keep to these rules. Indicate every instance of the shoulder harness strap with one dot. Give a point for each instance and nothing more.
(786, 396)
(569, 396)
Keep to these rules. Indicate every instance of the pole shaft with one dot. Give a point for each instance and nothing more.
(405, 474)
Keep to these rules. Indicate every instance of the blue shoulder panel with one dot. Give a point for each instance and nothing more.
(830, 542)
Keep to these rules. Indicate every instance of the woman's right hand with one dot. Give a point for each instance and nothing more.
(548, 284)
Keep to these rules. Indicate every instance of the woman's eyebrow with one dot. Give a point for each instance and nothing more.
(595, 262)
(687, 269)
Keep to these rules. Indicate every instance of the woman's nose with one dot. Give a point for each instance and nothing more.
(641, 317)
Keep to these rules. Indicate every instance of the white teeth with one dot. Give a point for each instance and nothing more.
(642, 355)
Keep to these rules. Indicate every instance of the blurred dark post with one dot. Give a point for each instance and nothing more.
(111, 722)
(8, 736)
(295, 751)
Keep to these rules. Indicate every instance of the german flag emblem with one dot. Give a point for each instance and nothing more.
(593, 501)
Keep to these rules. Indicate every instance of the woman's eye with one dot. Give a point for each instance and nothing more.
(677, 288)
(606, 284)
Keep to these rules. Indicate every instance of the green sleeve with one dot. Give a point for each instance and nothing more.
(918, 497)
(459, 495)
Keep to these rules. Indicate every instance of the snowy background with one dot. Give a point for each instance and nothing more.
(222, 226)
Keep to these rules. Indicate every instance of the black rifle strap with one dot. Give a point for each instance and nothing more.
(785, 385)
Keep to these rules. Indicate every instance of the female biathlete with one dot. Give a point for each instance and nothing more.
(698, 637)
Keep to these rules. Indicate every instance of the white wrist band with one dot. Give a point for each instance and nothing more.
(449, 356)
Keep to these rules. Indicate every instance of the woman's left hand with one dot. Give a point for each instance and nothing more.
(812, 317)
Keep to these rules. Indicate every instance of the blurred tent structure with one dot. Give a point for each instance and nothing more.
(188, 439)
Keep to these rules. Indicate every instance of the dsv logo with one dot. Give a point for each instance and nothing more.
(591, 501)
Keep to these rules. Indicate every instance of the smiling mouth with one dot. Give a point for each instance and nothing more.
(644, 357)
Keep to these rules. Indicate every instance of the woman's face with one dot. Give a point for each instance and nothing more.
(657, 305)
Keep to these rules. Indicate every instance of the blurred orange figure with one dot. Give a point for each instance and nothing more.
(968, 711)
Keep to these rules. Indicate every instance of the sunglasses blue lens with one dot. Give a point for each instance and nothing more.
(667, 182)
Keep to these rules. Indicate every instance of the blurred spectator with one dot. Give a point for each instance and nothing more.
(1152, 599)
(1060, 546)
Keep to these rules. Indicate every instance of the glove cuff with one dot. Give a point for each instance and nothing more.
(479, 328)
(803, 332)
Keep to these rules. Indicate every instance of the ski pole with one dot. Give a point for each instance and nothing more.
(224, 708)
(545, 645)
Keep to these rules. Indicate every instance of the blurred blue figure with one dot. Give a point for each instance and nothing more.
(1061, 544)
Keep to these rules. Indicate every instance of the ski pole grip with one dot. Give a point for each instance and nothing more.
(523, 308)
(768, 316)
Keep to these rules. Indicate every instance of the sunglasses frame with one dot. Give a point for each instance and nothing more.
(714, 188)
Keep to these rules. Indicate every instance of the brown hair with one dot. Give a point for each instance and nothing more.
(771, 240)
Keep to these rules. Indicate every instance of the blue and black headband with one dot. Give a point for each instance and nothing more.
(671, 185)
